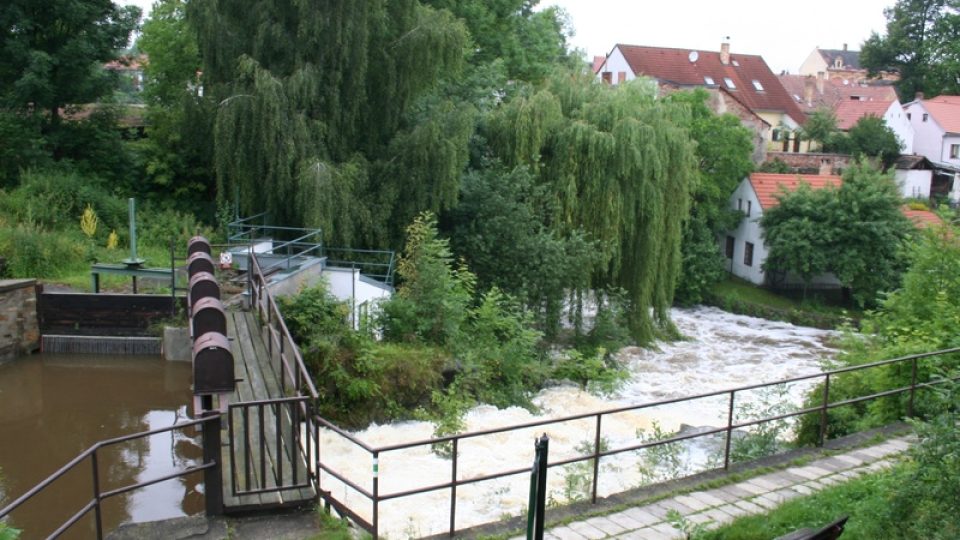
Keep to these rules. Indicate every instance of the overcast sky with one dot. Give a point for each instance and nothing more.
(783, 33)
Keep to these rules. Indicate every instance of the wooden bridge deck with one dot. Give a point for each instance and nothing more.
(257, 380)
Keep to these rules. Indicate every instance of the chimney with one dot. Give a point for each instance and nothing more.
(826, 166)
(844, 46)
(725, 52)
(820, 78)
(918, 96)
(808, 86)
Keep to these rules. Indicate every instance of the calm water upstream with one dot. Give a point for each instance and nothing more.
(53, 407)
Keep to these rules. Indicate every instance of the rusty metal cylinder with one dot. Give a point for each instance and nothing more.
(207, 315)
(198, 244)
(212, 364)
(199, 262)
(203, 285)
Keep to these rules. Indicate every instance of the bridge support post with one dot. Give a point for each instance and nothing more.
(213, 476)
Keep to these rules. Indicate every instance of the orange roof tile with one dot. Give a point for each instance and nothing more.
(946, 111)
(673, 66)
(921, 219)
(849, 112)
(769, 185)
(833, 92)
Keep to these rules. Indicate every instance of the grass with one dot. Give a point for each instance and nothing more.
(865, 500)
(739, 296)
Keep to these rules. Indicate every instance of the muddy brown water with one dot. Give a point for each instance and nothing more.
(53, 407)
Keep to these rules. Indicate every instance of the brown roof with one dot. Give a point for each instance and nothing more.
(673, 66)
(849, 112)
(921, 219)
(834, 92)
(769, 185)
(598, 63)
(946, 111)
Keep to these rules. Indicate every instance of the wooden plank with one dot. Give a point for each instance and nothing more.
(100, 314)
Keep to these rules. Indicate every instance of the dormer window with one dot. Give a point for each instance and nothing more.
(838, 63)
(757, 86)
(708, 80)
(729, 82)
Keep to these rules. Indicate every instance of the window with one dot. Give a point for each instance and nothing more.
(909, 116)
(757, 85)
(954, 151)
(607, 77)
(708, 80)
(621, 76)
(749, 207)
(925, 116)
(729, 250)
(740, 205)
(748, 254)
(775, 136)
(729, 82)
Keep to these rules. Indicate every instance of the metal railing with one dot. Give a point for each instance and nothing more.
(379, 265)
(375, 496)
(97, 494)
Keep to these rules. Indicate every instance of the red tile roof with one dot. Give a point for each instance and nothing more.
(833, 92)
(849, 112)
(769, 185)
(946, 111)
(921, 219)
(674, 66)
(598, 63)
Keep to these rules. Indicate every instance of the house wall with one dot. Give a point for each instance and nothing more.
(747, 231)
(813, 64)
(928, 136)
(896, 119)
(347, 285)
(914, 184)
(948, 140)
(781, 120)
(722, 103)
(616, 64)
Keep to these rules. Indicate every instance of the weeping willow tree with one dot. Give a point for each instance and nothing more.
(621, 167)
(324, 114)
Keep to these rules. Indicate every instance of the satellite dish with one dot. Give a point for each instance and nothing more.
(693, 56)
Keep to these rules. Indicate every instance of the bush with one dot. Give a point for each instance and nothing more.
(32, 252)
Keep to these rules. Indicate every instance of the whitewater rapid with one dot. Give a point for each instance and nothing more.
(721, 351)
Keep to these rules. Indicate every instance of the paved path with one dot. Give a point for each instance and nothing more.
(722, 505)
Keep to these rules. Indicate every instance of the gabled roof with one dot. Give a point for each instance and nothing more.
(946, 111)
(768, 185)
(597, 63)
(921, 219)
(849, 112)
(913, 162)
(674, 66)
(833, 91)
(850, 59)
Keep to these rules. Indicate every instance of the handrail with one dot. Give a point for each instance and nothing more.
(98, 495)
(375, 497)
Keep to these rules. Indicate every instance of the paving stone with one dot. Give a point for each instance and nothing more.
(778, 480)
(693, 503)
(708, 498)
(606, 525)
(642, 515)
(733, 510)
(874, 452)
(645, 534)
(675, 504)
(587, 531)
(699, 518)
(719, 516)
(751, 488)
(668, 530)
(811, 472)
(899, 444)
(735, 492)
(767, 501)
(750, 507)
(723, 495)
(628, 523)
(792, 478)
(833, 464)
(786, 494)
(566, 533)
(766, 482)
(831, 480)
(849, 458)
(802, 489)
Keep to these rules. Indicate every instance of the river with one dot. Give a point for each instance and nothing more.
(721, 351)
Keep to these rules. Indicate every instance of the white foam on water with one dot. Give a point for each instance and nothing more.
(723, 351)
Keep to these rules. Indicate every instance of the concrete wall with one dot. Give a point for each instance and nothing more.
(915, 184)
(347, 285)
(811, 161)
(19, 329)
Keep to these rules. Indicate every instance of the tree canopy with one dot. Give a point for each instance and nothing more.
(855, 231)
(921, 44)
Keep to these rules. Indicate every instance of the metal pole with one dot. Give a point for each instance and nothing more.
(132, 211)
(542, 452)
(913, 387)
(823, 410)
(726, 451)
(596, 461)
(376, 494)
(453, 489)
(98, 519)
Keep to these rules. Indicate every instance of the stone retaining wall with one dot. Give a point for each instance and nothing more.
(19, 329)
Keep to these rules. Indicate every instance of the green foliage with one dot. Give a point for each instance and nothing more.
(767, 438)
(33, 252)
(855, 231)
(821, 127)
(9, 533)
(621, 167)
(662, 462)
(597, 373)
(432, 300)
(499, 231)
(158, 226)
(776, 165)
(871, 137)
(21, 145)
(578, 477)
(920, 45)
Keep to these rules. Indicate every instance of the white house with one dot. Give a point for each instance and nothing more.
(744, 247)
(936, 126)
(890, 111)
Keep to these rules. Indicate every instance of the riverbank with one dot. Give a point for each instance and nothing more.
(737, 296)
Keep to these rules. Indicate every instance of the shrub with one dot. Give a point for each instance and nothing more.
(33, 252)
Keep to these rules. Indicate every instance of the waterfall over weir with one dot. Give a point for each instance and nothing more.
(722, 351)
